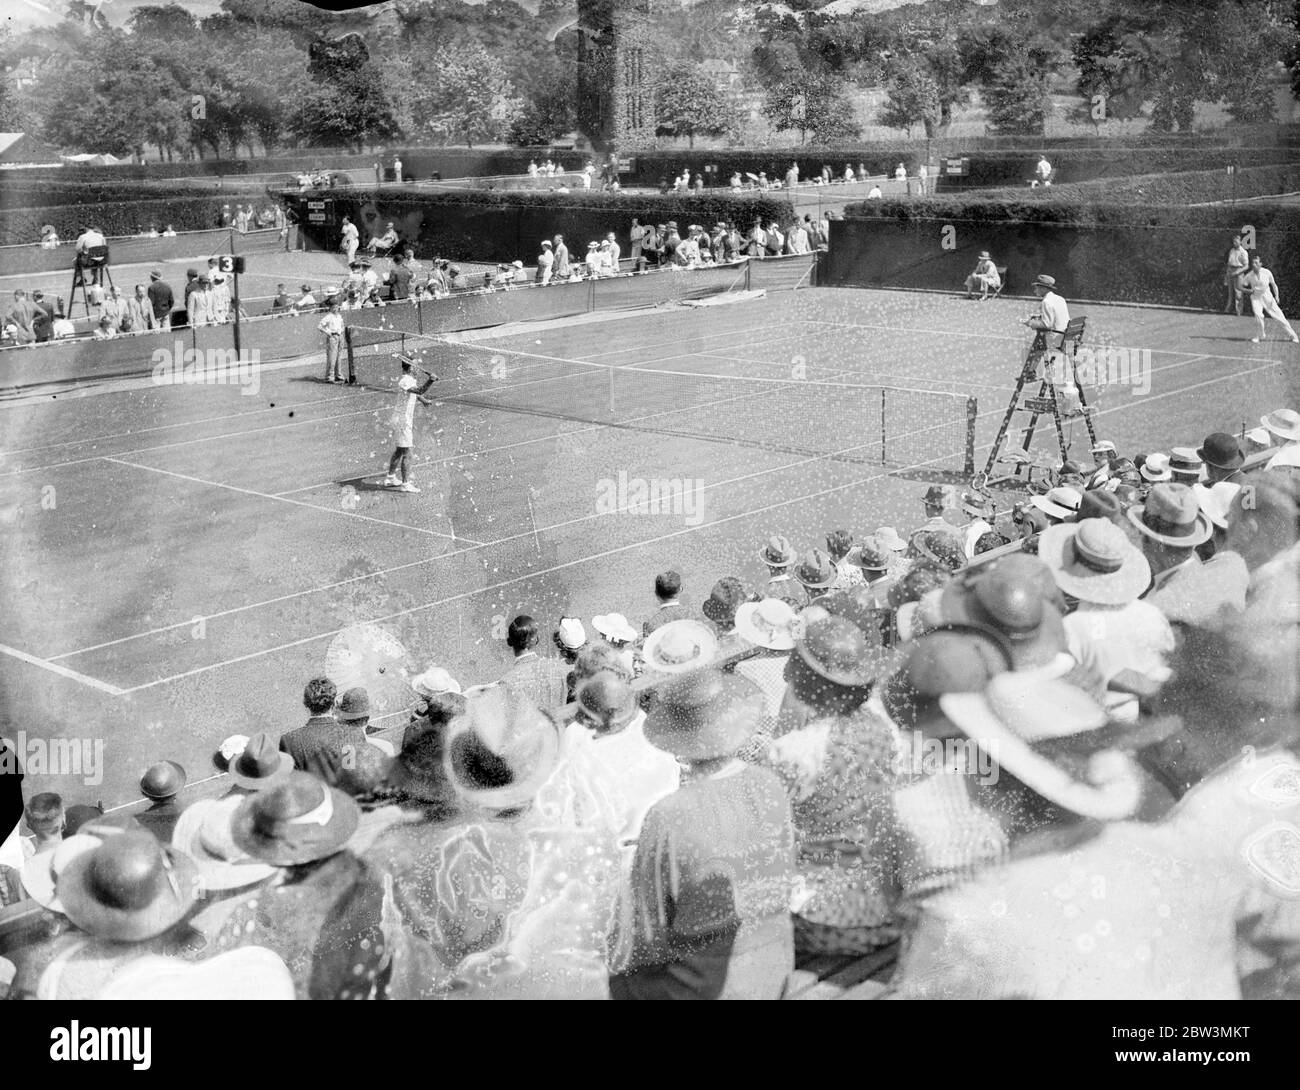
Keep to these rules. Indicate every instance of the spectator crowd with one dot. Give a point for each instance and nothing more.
(1050, 752)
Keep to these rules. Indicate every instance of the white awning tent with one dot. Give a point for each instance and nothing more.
(88, 159)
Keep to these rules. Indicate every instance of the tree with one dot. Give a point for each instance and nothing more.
(463, 91)
(815, 106)
(1016, 94)
(549, 114)
(688, 103)
(162, 22)
(925, 87)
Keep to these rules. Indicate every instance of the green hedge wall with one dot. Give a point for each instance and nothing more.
(1186, 187)
(19, 226)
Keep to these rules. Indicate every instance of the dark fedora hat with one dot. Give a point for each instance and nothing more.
(1172, 516)
(839, 651)
(297, 821)
(1222, 451)
(129, 888)
(261, 764)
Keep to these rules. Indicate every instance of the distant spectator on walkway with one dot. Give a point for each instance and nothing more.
(139, 311)
(351, 238)
(169, 231)
(922, 178)
(561, 259)
(900, 173)
(545, 263)
(199, 304)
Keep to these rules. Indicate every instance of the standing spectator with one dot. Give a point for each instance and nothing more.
(1262, 288)
(1284, 424)
(792, 176)
(1237, 264)
(161, 783)
(545, 263)
(397, 168)
(900, 173)
(399, 279)
(540, 680)
(332, 327)
(241, 220)
(379, 173)
(350, 236)
(114, 309)
(220, 291)
(771, 625)
(637, 235)
(42, 318)
(615, 253)
(161, 301)
(922, 177)
(796, 239)
(1042, 172)
(561, 259)
(21, 315)
(707, 913)
(668, 586)
(199, 303)
(139, 311)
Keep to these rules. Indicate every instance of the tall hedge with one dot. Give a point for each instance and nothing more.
(19, 226)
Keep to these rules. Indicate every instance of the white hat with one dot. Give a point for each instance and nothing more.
(433, 681)
(771, 623)
(1215, 500)
(571, 634)
(1156, 468)
(1284, 423)
(1060, 502)
(614, 627)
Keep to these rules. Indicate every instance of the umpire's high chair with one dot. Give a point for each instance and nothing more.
(1045, 402)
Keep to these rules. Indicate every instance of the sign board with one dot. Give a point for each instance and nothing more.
(317, 211)
(626, 164)
(956, 168)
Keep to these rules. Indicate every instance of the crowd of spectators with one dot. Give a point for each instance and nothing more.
(1067, 769)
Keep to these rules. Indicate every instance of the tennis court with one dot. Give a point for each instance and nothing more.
(185, 556)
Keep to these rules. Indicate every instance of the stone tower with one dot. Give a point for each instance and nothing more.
(617, 67)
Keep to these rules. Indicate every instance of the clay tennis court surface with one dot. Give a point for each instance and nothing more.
(180, 559)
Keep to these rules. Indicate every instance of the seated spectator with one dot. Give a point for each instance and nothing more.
(726, 597)
(385, 242)
(169, 232)
(772, 625)
(46, 820)
(1284, 424)
(985, 277)
(281, 301)
(42, 318)
(707, 912)
(305, 301)
(541, 680)
(839, 543)
(325, 736)
(838, 766)
(1222, 457)
(816, 573)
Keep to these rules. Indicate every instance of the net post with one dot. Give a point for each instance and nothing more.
(749, 264)
(611, 393)
(347, 341)
(972, 414)
(884, 455)
(419, 316)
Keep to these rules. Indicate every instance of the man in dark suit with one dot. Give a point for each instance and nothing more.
(541, 680)
(329, 728)
(668, 587)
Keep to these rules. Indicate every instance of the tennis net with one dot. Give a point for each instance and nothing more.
(839, 419)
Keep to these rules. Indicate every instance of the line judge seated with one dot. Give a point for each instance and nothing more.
(984, 279)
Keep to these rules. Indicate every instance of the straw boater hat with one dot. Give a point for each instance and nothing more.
(204, 833)
(501, 750)
(1094, 561)
(771, 623)
(1018, 710)
(1172, 516)
(1284, 423)
(679, 646)
(1047, 283)
(1156, 468)
(570, 634)
(434, 682)
(1185, 463)
(890, 539)
(128, 888)
(1059, 503)
(297, 821)
(704, 714)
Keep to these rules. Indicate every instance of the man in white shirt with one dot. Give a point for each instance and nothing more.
(1285, 425)
(332, 326)
(411, 392)
(595, 262)
(306, 301)
(615, 253)
(90, 238)
(1260, 285)
(545, 262)
(1052, 318)
(796, 239)
(1042, 172)
(351, 239)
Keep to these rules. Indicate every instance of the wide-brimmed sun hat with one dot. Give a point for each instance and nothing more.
(705, 714)
(1172, 516)
(681, 645)
(1095, 561)
(1017, 710)
(839, 651)
(41, 872)
(1061, 502)
(297, 821)
(128, 888)
(204, 832)
(435, 681)
(770, 623)
(614, 627)
(1156, 468)
(1284, 423)
(501, 751)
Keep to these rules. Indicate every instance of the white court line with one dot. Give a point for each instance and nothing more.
(591, 357)
(62, 671)
(281, 499)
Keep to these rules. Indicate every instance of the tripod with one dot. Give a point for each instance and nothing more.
(1046, 402)
(96, 260)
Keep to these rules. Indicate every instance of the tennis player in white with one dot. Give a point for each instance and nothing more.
(1261, 286)
(404, 426)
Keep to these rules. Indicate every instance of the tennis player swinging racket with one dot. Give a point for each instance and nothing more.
(399, 466)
